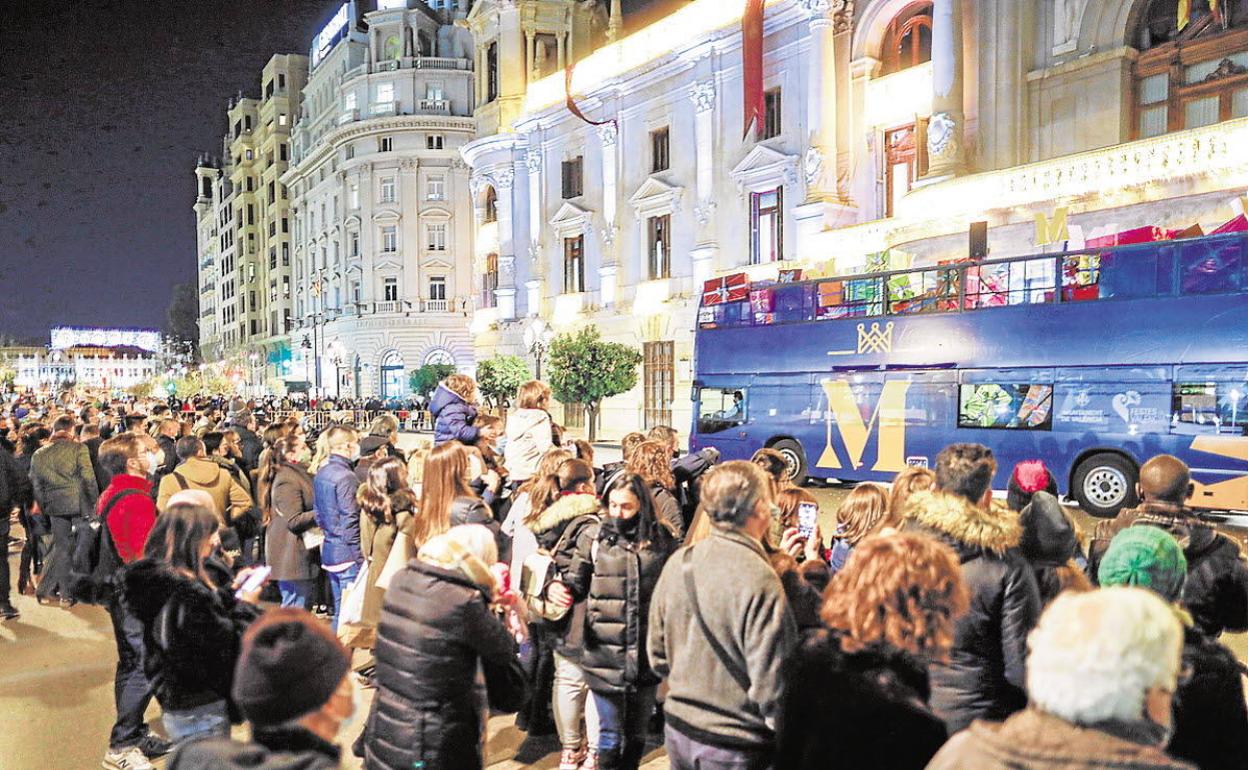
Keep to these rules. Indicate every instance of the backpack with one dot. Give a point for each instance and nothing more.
(94, 561)
(537, 573)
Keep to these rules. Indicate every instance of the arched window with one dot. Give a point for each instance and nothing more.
(393, 48)
(491, 204)
(439, 356)
(1193, 67)
(394, 381)
(908, 41)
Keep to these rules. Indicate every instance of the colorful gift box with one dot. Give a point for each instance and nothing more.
(831, 293)
(790, 276)
(764, 319)
(710, 317)
(738, 314)
(731, 288)
(763, 300)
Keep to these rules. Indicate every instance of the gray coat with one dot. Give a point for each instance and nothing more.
(745, 608)
(63, 479)
(290, 516)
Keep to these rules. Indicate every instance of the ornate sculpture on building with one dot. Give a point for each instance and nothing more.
(942, 140)
(703, 95)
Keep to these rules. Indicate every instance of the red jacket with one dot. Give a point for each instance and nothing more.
(132, 519)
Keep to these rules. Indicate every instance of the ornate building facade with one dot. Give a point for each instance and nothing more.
(890, 127)
(381, 212)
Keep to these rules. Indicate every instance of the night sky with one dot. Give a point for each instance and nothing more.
(104, 106)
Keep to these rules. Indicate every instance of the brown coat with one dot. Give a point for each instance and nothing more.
(229, 497)
(290, 516)
(1033, 740)
(376, 541)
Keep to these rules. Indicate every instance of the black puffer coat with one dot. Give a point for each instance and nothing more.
(625, 572)
(856, 710)
(436, 626)
(984, 678)
(567, 530)
(1210, 717)
(191, 649)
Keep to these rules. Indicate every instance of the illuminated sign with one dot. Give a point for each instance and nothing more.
(69, 336)
(328, 35)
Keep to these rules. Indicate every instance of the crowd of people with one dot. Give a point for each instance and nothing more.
(502, 570)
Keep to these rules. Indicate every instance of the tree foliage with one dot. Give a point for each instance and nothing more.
(425, 379)
(585, 369)
(499, 377)
(182, 317)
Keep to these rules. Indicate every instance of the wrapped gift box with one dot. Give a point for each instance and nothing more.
(764, 319)
(731, 288)
(831, 293)
(763, 300)
(790, 276)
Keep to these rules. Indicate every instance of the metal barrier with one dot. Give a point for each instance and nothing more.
(415, 420)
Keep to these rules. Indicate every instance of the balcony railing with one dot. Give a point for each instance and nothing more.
(384, 108)
(386, 307)
(348, 116)
(437, 305)
(434, 105)
(410, 63)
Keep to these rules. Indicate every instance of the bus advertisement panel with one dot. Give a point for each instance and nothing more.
(1091, 361)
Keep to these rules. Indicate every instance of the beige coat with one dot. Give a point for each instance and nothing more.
(228, 496)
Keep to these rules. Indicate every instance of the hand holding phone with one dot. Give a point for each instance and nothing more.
(250, 587)
(807, 519)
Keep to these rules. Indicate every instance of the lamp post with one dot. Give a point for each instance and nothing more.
(251, 373)
(306, 346)
(337, 352)
(537, 338)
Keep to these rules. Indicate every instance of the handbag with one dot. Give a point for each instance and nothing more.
(353, 598)
(400, 555)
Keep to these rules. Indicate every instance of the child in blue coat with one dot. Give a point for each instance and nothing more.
(454, 411)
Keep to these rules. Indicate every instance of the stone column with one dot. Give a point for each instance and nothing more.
(702, 93)
(607, 270)
(512, 64)
(504, 186)
(821, 153)
(945, 148)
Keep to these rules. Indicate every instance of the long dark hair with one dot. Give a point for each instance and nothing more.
(267, 474)
(649, 528)
(568, 476)
(178, 539)
(385, 487)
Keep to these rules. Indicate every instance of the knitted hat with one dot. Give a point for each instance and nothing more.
(1147, 557)
(289, 666)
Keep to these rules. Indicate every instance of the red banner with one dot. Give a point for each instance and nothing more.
(752, 66)
(575, 110)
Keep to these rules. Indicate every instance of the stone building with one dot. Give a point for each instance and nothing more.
(890, 127)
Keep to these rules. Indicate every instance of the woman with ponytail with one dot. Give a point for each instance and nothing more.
(387, 512)
(284, 489)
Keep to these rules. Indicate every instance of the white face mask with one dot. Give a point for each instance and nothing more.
(153, 461)
(475, 468)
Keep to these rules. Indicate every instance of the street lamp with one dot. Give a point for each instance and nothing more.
(306, 345)
(251, 374)
(537, 338)
(337, 352)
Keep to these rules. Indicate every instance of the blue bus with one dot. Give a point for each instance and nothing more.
(1092, 361)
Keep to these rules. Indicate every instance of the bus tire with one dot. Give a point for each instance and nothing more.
(1105, 484)
(794, 457)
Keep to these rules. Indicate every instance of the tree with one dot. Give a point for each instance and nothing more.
(182, 317)
(585, 369)
(425, 379)
(499, 378)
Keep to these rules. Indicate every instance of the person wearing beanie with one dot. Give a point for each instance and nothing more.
(1050, 545)
(1210, 714)
(291, 683)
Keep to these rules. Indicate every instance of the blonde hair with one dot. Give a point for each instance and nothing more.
(533, 394)
(320, 454)
(468, 549)
(463, 386)
(911, 480)
(862, 512)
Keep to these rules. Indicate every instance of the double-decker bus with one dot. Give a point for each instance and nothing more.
(1092, 361)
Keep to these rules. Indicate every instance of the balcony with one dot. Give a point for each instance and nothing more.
(410, 63)
(436, 106)
(437, 305)
(348, 116)
(379, 109)
(386, 307)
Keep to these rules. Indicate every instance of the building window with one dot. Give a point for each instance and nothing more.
(660, 146)
(390, 290)
(491, 72)
(349, 152)
(353, 195)
(908, 39)
(353, 244)
(659, 382)
(574, 265)
(437, 288)
(491, 205)
(285, 255)
(435, 90)
(434, 141)
(385, 144)
(387, 189)
(384, 93)
(349, 102)
(772, 117)
(272, 257)
(392, 49)
(573, 177)
(436, 237)
(767, 226)
(389, 239)
(1190, 77)
(660, 247)
(901, 165)
(355, 292)
(489, 281)
(281, 149)
(435, 188)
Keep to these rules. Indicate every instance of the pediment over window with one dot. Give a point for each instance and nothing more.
(386, 215)
(570, 219)
(764, 169)
(352, 221)
(656, 197)
(436, 213)
(442, 263)
(388, 263)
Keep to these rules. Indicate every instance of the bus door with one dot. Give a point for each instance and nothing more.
(1210, 405)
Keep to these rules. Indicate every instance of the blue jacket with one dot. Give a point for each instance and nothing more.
(453, 417)
(337, 513)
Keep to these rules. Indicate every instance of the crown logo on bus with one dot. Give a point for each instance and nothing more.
(875, 340)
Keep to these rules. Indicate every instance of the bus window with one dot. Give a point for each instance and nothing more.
(1211, 267)
(720, 409)
(1209, 407)
(1025, 282)
(1012, 406)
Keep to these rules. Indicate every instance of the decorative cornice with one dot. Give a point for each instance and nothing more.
(504, 178)
(702, 93)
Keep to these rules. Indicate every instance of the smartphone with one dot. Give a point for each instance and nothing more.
(807, 519)
(253, 581)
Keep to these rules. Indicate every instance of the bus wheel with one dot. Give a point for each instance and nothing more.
(1105, 484)
(794, 458)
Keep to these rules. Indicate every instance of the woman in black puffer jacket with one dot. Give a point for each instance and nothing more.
(627, 558)
(192, 622)
(436, 627)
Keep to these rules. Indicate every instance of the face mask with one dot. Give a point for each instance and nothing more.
(153, 462)
(474, 468)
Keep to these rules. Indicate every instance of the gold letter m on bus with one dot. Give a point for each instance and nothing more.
(888, 419)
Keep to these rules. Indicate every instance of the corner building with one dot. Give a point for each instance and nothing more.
(890, 126)
(382, 219)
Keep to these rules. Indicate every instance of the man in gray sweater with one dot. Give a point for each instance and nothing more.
(720, 629)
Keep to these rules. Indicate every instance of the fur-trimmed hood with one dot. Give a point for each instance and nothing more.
(147, 585)
(967, 527)
(563, 510)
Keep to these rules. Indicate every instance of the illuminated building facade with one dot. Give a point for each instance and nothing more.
(381, 215)
(89, 358)
(890, 127)
(243, 225)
